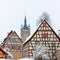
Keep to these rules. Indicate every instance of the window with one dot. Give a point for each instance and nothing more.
(30, 47)
(19, 47)
(52, 36)
(37, 43)
(44, 28)
(51, 39)
(37, 35)
(49, 32)
(14, 47)
(8, 47)
(14, 40)
(40, 32)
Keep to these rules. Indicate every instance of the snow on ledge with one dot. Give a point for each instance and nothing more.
(26, 59)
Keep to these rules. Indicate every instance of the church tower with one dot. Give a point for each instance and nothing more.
(25, 30)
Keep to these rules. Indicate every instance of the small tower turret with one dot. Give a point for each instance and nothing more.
(25, 30)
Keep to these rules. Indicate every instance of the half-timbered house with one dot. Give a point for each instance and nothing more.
(44, 35)
(13, 43)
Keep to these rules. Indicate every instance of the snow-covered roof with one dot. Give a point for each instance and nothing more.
(37, 29)
(31, 34)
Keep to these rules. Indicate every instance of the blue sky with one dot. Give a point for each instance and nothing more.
(12, 13)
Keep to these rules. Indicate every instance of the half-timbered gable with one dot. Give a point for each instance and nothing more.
(14, 43)
(44, 35)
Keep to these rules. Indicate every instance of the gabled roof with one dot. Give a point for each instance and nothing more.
(30, 37)
(11, 34)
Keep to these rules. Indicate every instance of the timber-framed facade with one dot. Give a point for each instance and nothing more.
(14, 44)
(44, 35)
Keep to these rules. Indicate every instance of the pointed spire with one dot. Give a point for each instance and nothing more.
(25, 23)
